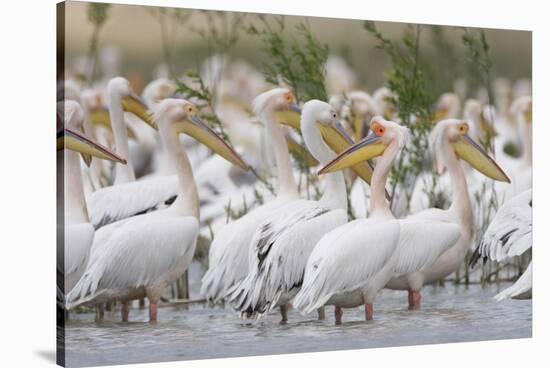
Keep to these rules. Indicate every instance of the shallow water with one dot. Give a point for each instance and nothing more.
(449, 314)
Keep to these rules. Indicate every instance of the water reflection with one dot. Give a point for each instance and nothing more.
(449, 314)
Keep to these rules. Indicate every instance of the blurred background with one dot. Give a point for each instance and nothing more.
(130, 42)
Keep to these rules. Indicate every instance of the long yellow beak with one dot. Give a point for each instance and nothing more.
(370, 147)
(100, 117)
(468, 150)
(335, 136)
(136, 106)
(195, 128)
(440, 114)
(75, 141)
(289, 116)
(339, 141)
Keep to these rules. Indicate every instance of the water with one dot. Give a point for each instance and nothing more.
(449, 314)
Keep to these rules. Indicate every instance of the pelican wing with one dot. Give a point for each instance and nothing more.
(142, 251)
(510, 232)
(228, 255)
(122, 201)
(78, 241)
(423, 238)
(345, 259)
(521, 289)
(278, 255)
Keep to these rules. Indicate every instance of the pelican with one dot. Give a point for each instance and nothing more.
(520, 169)
(140, 256)
(228, 255)
(126, 197)
(447, 107)
(450, 142)
(510, 235)
(352, 263)
(78, 231)
(281, 245)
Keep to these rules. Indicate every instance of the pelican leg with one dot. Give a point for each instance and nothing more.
(321, 313)
(99, 312)
(153, 309)
(284, 316)
(369, 311)
(338, 315)
(142, 303)
(124, 311)
(414, 300)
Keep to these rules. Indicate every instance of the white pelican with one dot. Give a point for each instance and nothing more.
(228, 255)
(510, 235)
(282, 244)
(352, 263)
(142, 255)
(520, 169)
(78, 231)
(450, 142)
(447, 107)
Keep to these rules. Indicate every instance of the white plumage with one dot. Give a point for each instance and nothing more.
(510, 235)
(136, 257)
(281, 246)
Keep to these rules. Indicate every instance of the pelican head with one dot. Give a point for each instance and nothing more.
(448, 106)
(385, 133)
(523, 106)
(455, 133)
(182, 116)
(71, 138)
(281, 102)
(119, 88)
(158, 90)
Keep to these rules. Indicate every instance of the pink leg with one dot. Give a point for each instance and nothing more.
(414, 304)
(153, 312)
(410, 292)
(338, 315)
(369, 312)
(124, 311)
(142, 303)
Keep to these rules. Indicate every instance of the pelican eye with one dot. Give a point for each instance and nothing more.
(334, 115)
(190, 109)
(463, 128)
(378, 129)
(288, 97)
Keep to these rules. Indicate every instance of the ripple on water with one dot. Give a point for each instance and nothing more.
(199, 332)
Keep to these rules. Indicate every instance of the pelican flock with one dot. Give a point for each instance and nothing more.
(285, 205)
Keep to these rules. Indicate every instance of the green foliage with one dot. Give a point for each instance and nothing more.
(407, 81)
(169, 19)
(300, 64)
(444, 65)
(97, 15)
(478, 61)
(197, 91)
(222, 29)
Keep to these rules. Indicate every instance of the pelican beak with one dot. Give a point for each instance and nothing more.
(75, 141)
(100, 117)
(132, 103)
(195, 128)
(289, 116)
(468, 150)
(368, 148)
(339, 141)
(440, 114)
